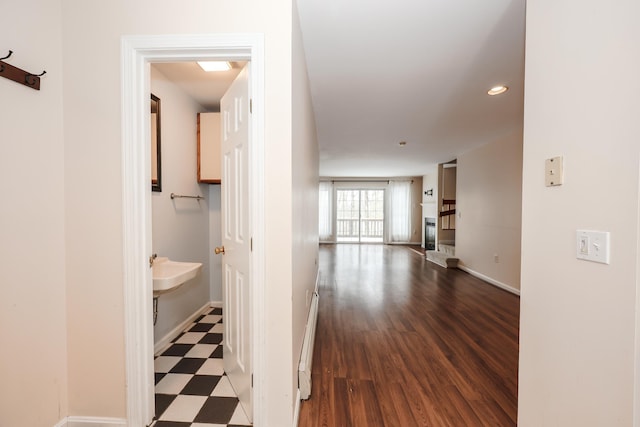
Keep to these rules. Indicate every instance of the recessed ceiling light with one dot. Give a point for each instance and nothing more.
(214, 65)
(497, 90)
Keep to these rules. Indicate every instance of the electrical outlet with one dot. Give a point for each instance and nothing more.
(496, 258)
(553, 173)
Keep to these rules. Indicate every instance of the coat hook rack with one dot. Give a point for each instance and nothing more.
(20, 76)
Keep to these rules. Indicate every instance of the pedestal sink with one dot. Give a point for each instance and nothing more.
(168, 275)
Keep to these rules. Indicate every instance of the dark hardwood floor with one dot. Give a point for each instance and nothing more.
(403, 342)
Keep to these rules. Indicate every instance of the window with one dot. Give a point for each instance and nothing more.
(360, 215)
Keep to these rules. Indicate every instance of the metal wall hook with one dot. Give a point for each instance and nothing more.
(2, 67)
(30, 78)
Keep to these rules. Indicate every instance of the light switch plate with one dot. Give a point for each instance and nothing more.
(553, 172)
(593, 246)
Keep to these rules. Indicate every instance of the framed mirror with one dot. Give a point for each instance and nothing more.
(156, 175)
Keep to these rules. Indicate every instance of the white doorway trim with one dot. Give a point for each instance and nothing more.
(136, 54)
(636, 382)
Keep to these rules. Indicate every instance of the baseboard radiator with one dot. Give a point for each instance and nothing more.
(306, 358)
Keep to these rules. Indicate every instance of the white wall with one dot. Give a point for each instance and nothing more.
(305, 161)
(445, 192)
(33, 361)
(430, 203)
(489, 209)
(416, 211)
(92, 34)
(577, 327)
(180, 226)
(449, 177)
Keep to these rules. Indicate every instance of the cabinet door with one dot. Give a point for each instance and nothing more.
(209, 170)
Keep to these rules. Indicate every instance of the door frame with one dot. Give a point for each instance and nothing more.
(136, 54)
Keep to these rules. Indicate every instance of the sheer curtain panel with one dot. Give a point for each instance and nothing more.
(325, 216)
(399, 211)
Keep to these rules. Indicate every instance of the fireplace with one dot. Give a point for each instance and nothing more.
(430, 234)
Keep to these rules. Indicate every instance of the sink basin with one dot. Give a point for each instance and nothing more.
(168, 275)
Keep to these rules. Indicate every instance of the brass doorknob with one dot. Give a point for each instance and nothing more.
(219, 250)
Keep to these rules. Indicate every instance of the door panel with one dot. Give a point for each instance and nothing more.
(235, 221)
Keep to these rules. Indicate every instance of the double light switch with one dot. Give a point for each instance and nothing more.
(592, 246)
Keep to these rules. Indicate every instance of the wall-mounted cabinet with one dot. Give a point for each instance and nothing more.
(209, 165)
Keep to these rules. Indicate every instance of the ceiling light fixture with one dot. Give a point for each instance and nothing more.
(214, 65)
(497, 90)
(402, 143)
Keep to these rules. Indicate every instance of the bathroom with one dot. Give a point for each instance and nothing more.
(183, 229)
(186, 229)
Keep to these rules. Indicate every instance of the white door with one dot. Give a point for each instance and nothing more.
(236, 239)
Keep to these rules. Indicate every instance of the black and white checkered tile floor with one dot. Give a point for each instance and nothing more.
(192, 389)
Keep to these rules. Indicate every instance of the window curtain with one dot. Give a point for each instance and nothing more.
(399, 211)
(325, 204)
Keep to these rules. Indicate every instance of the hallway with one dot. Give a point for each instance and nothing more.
(403, 342)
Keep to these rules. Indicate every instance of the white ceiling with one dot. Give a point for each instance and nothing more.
(408, 70)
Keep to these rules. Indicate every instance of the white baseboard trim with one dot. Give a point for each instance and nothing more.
(490, 280)
(296, 410)
(216, 304)
(91, 422)
(416, 251)
(164, 342)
